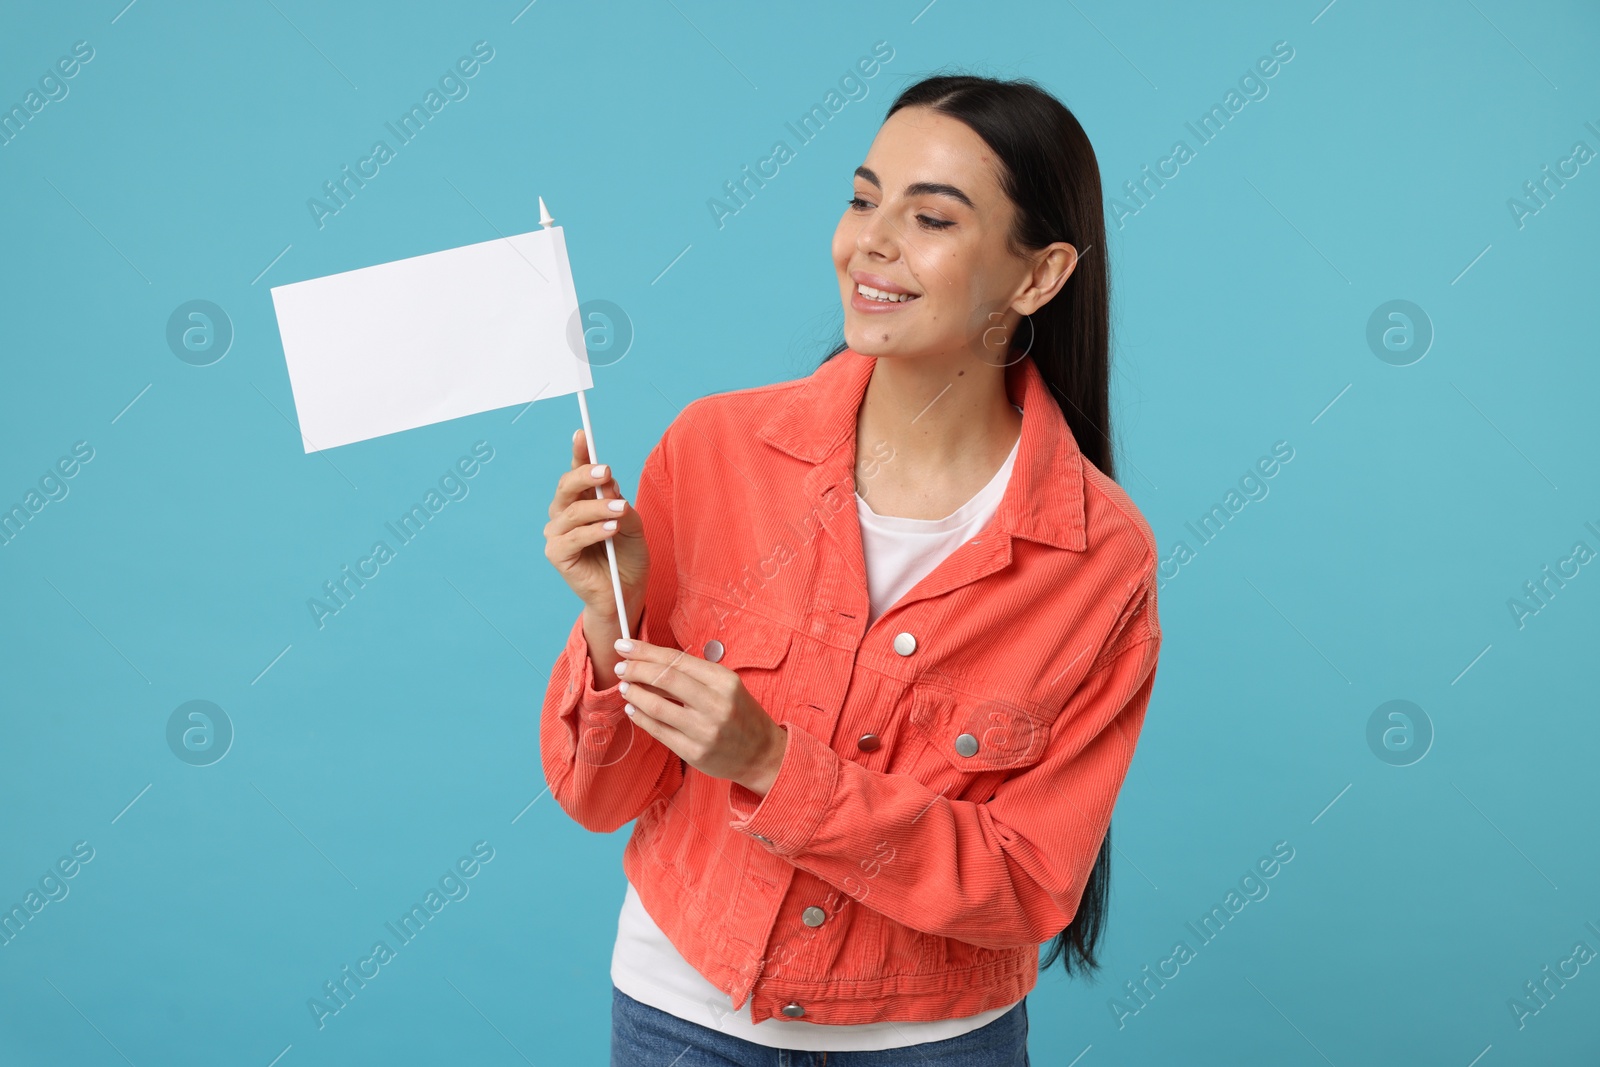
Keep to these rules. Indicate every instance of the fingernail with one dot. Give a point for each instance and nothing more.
(628, 708)
(598, 471)
(622, 666)
(622, 644)
(575, 434)
(622, 687)
(616, 505)
(612, 525)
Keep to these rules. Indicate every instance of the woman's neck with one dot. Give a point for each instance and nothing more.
(931, 432)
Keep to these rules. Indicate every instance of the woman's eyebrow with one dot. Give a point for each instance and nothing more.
(920, 188)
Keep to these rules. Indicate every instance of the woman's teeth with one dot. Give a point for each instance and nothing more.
(878, 294)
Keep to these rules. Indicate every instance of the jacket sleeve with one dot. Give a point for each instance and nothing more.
(998, 874)
(602, 769)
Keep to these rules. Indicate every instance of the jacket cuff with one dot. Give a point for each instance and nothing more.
(787, 818)
(596, 707)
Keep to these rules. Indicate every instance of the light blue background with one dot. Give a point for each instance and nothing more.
(375, 751)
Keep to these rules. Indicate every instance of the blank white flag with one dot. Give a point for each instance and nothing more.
(404, 344)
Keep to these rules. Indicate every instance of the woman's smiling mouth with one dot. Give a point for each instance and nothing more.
(885, 296)
(880, 294)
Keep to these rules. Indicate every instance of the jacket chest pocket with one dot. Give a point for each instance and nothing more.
(976, 734)
(752, 646)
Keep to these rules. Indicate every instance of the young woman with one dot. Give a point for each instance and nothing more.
(895, 632)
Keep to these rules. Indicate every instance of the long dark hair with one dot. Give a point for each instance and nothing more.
(1052, 177)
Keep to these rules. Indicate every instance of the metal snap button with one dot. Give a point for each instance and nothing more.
(713, 650)
(967, 745)
(762, 839)
(868, 742)
(905, 643)
(793, 1011)
(813, 916)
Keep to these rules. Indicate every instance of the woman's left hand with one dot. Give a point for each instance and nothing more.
(702, 712)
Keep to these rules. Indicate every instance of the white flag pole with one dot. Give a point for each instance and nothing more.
(546, 220)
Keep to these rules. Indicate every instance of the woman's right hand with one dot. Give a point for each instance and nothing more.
(576, 530)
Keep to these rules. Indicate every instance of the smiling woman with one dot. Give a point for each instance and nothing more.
(871, 769)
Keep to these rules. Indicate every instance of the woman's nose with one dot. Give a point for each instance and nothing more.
(877, 235)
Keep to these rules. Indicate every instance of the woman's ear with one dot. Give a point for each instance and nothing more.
(1052, 266)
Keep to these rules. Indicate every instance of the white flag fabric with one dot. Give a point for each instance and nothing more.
(416, 341)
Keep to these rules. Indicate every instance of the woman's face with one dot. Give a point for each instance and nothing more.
(929, 220)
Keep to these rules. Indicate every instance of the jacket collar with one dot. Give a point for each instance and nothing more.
(1043, 500)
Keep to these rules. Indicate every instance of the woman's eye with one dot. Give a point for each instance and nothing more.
(927, 222)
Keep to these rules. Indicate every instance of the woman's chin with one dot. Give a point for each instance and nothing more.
(869, 339)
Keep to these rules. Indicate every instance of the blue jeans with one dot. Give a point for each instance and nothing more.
(644, 1036)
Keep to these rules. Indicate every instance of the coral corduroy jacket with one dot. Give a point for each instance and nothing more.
(950, 770)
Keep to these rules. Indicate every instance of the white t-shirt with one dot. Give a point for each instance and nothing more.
(645, 965)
